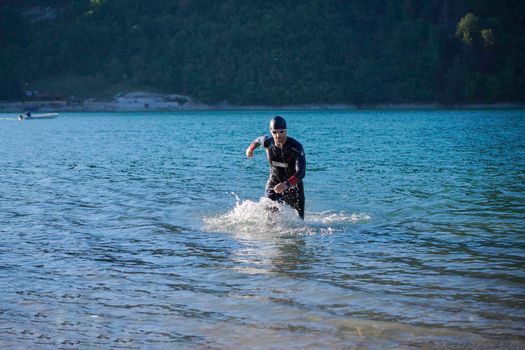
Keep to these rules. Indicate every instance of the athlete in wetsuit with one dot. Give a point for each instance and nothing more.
(287, 165)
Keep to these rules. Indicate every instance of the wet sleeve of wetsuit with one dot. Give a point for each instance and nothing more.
(257, 142)
(300, 166)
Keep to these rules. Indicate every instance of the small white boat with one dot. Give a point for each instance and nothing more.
(37, 116)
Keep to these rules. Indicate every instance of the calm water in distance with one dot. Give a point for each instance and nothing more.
(147, 231)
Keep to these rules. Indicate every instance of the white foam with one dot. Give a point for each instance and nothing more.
(254, 218)
(328, 217)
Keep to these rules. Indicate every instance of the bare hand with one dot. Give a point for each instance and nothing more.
(249, 152)
(280, 188)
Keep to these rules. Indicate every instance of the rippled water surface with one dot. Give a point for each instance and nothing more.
(147, 230)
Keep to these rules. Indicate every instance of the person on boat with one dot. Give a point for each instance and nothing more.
(24, 115)
(287, 165)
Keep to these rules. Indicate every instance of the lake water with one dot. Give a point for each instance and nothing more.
(148, 231)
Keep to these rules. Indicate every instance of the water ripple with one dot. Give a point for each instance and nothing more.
(120, 231)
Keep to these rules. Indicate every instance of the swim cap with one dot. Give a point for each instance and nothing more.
(277, 122)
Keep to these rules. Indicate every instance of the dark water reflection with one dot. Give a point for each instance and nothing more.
(414, 233)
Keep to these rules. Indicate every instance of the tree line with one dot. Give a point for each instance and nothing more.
(273, 52)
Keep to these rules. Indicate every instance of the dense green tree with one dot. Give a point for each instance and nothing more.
(273, 52)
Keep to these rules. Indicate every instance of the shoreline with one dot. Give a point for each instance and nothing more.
(157, 106)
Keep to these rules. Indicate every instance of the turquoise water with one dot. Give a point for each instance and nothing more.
(147, 230)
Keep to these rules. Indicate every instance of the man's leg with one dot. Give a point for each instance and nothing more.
(270, 193)
(294, 197)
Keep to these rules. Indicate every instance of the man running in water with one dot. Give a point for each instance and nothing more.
(287, 165)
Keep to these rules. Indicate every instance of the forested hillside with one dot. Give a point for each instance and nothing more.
(272, 51)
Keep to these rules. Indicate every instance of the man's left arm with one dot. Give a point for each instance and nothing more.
(300, 166)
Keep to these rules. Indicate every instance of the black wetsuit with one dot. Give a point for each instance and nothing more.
(287, 164)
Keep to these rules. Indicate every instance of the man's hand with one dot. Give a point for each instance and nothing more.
(280, 188)
(249, 152)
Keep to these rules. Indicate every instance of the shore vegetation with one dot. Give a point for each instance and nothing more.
(267, 52)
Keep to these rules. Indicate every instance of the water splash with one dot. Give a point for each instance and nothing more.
(269, 218)
(328, 217)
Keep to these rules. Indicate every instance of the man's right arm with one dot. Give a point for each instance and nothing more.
(255, 143)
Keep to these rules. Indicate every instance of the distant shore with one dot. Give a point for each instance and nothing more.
(144, 101)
